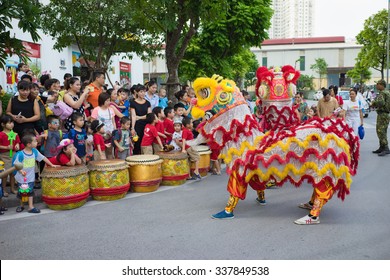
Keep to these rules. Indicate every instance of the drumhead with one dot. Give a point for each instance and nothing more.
(202, 149)
(63, 171)
(172, 155)
(107, 165)
(143, 159)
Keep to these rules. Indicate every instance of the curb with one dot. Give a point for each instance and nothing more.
(13, 201)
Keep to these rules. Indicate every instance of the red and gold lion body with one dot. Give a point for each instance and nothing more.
(323, 152)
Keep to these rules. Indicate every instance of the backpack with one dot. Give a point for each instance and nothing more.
(116, 132)
(61, 109)
(46, 132)
(20, 156)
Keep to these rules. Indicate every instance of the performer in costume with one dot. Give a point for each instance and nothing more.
(322, 151)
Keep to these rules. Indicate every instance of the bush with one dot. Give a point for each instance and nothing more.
(4, 101)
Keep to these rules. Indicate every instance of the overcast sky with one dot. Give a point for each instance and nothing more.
(344, 17)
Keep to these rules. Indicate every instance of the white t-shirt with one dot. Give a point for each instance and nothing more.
(352, 109)
(105, 116)
(28, 166)
(176, 135)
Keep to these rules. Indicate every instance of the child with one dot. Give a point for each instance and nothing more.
(98, 140)
(7, 125)
(78, 135)
(123, 146)
(192, 153)
(89, 143)
(163, 99)
(150, 135)
(159, 112)
(26, 176)
(52, 137)
(310, 114)
(4, 174)
(67, 155)
(191, 93)
(177, 135)
(124, 103)
(179, 111)
(168, 124)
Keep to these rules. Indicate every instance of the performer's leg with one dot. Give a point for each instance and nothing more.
(321, 197)
(231, 204)
(237, 191)
(308, 205)
(259, 187)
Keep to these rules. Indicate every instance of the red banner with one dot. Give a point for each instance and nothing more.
(34, 49)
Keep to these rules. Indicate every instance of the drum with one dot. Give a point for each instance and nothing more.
(174, 167)
(204, 162)
(145, 172)
(108, 179)
(65, 188)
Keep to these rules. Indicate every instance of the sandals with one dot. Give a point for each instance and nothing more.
(5, 194)
(34, 210)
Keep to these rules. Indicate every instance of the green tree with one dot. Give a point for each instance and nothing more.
(223, 45)
(210, 31)
(305, 82)
(100, 29)
(359, 74)
(320, 67)
(177, 21)
(373, 38)
(26, 13)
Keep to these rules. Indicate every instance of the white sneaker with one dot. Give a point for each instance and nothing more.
(307, 220)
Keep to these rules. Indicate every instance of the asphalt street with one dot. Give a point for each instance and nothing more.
(174, 223)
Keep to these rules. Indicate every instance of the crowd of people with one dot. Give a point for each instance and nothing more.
(50, 124)
(47, 123)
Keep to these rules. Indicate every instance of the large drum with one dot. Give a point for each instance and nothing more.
(65, 188)
(204, 162)
(175, 168)
(108, 179)
(145, 172)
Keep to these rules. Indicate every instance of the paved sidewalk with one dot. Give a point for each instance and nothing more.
(13, 201)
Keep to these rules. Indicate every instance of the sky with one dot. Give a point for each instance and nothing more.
(344, 17)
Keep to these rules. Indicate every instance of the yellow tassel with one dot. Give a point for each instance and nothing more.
(245, 146)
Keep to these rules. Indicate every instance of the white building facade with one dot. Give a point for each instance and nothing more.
(292, 19)
(47, 60)
(302, 53)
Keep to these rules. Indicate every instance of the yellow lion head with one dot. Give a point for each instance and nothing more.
(214, 94)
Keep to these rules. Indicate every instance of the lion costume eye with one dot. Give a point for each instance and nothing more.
(205, 93)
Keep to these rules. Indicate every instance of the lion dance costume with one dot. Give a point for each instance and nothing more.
(322, 151)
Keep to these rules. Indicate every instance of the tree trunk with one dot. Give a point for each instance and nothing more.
(173, 83)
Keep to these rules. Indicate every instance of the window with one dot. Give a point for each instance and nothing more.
(264, 62)
(302, 63)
